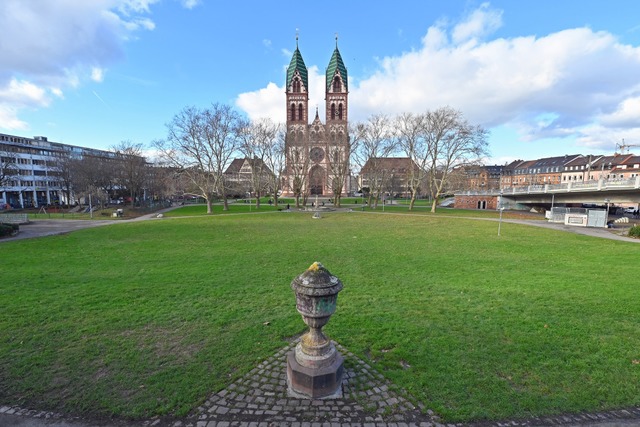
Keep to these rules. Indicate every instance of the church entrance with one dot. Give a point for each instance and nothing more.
(316, 180)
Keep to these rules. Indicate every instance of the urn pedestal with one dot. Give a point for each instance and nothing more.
(315, 367)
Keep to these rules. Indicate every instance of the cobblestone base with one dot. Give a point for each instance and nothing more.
(262, 396)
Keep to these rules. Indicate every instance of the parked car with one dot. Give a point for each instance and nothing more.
(630, 210)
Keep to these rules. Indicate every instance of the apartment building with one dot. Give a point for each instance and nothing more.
(33, 164)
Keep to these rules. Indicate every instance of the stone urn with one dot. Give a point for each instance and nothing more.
(315, 367)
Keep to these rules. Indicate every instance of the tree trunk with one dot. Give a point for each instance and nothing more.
(413, 199)
(257, 200)
(336, 200)
(209, 207)
(297, 201)
(225, 203)
(433, 205)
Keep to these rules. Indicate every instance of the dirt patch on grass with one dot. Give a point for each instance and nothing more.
(165, 342)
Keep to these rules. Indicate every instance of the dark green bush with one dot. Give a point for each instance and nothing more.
(8, 229)
(634, 231)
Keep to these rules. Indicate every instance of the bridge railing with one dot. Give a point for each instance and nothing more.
(599, 185)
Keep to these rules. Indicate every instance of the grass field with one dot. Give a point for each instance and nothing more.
(147, 318)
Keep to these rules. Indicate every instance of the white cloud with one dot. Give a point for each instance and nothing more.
(598, 137)
(266, 102)
(68, 42)
(23, 93)
(190, 4)
(9, 119)
(270, 102)
(57, 92)
(480, 23)
(627, 115)
(582, 83)
(97, 74)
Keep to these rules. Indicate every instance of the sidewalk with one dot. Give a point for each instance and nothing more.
(604, 233)
(52, 227)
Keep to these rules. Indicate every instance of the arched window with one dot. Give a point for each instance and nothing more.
(296, 85)
(333, 111)
(293, 112)
(339, 111)
(300, 110)
(337, 86)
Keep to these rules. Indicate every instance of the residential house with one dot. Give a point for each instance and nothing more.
(251, 176)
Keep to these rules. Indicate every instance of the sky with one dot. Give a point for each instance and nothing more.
(545, 77)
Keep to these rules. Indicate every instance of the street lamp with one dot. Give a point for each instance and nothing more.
(606, 214)
(501, 209)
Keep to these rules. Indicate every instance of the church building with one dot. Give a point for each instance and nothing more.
(317, 154)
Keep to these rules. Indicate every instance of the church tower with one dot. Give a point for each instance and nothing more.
(316, 154)
(336, 91)
(297, 90)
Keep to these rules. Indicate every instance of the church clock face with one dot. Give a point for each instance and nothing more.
(316, 154)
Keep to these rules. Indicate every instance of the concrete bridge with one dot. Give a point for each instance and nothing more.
(600, 192)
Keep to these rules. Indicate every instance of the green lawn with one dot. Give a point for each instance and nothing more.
(148, 318)
(236, 207)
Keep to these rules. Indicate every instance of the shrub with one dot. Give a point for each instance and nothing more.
(634, 231)
(8, 229)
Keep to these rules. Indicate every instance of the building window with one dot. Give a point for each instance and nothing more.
(296, 85)
(300, 110)
(333, 111)
(293, 112)
(339, 111)
(337, 86)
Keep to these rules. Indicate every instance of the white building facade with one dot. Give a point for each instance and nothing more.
(35, 179)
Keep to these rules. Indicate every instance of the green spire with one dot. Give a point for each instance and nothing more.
(297, 63)
(336, 66)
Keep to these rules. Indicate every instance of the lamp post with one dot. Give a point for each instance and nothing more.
(501, 209)
(606, 214)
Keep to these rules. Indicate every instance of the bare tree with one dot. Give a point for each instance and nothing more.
(132, 168)
(374, 143)
(62, 168)
(438, 141)
(275, 160)
(298, 170)
(200, 144)
(92, 177)
(338, 153)
(8, 167)
(258, 142)
(410, 135)
(454, 142)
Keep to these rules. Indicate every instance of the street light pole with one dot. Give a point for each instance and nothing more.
(501, 208)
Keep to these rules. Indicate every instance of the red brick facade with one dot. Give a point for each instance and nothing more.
(477, 202)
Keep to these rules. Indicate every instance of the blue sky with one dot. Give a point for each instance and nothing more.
(546, 77)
